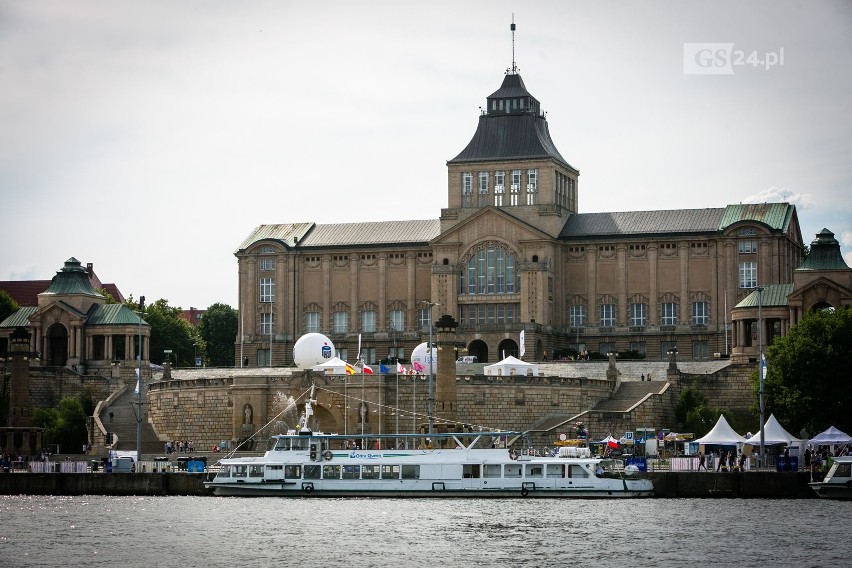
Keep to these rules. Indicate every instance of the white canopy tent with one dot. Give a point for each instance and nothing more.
(334, 366)
(773, 434)
(511, 366)
(721, 434)
(831, 436)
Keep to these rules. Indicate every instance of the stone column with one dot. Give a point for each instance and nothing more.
(653, 292)
(446, 395)
(19, 385)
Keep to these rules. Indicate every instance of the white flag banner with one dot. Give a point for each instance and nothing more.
(523, 345)
(137, 381)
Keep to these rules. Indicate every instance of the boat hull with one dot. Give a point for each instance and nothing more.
(231, 490)
(839, 491)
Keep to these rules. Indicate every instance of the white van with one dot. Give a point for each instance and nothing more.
(467, 359)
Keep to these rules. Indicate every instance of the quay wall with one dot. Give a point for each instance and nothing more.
(770, 485)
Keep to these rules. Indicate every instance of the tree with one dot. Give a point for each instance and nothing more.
(696, 415)
(168, 331)
(218, 328)
(64, 425)
(8, 306)
(808, 371)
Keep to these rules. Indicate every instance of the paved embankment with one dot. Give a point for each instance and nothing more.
(772, 485)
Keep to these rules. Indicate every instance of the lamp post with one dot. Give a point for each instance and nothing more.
(431, 352)
(762, 369)
(139, 384)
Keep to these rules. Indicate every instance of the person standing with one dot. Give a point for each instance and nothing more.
(701, 461)
(721, 462)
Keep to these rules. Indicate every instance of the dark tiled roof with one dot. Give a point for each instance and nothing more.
(20, 318)
(113, 314)
(25, 292)
(510, 137)
(282, 233)
(674, 221)
(372, 233)
(824, 254)
(776, 215)
(513, 87)
(773, 295)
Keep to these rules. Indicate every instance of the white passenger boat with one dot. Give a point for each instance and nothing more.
(470, 464)
(838, 481)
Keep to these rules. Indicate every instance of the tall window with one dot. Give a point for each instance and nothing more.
(532, 187)
(499, 187)
(397, 320)
(368, 321)
(267, 290)
(606, 347)
(577, 315)
(700, 313)
(700, 350)
(515, 188)
(490, 270)
(483, 189)
(747, 247)
(638, 347)
(424, 318)
(467, 188)
(638, 314)
(267, 323)
(267, 264)
(341, 322)
(748, 275)
(668, 313)
(607, 313)
(312, 322)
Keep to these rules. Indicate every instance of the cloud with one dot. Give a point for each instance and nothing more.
(782, 195)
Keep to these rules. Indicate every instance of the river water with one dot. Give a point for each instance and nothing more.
(213, 531)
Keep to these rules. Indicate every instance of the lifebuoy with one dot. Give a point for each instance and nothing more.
(525, 491)
(327, 455)
(513, 455)
(308, 488)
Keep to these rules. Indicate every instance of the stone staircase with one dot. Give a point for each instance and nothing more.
(123, 424)
(629, 393)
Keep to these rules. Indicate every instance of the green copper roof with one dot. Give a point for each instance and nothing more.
(19, 318)
(776, 215)
(287, 234)
(825, 254)
(773, 295)
(113, 314)
(72, 279)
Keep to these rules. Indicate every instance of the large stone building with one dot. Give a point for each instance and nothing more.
(512, 252)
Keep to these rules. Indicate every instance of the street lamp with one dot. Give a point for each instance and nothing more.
(761, 365)
(431, 409)
(139, 384)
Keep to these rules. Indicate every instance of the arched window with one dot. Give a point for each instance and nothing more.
(489, 269)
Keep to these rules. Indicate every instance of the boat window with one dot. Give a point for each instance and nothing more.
(224, 472)
(312, 471)
(535, 470)
(390, 472)
(492, 470)
(292, 472)
(411, 472)
(240, 470)
(281, 445)
(512, 470)
(556, 470)
(839, 470)
(470, 470)
(331, 472)
(299, 443)
(577, 471)
(352, 472)
(369, 472)
(256, 471)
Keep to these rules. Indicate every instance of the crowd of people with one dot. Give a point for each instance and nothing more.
(179, 447)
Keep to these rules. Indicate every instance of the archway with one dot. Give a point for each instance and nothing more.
(57, 346)
(507, 347)
(478, 349)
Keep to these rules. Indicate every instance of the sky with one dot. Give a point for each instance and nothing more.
(150, 137)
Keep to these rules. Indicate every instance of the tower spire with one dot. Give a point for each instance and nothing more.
(514, 67)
